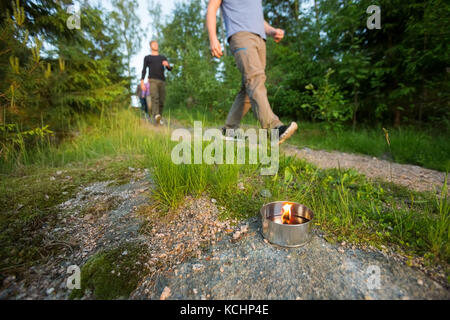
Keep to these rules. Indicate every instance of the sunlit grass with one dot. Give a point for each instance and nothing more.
(409, 145)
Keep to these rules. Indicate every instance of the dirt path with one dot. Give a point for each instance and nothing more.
(410, 176)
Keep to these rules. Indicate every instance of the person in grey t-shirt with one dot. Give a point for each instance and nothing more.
(246, 34)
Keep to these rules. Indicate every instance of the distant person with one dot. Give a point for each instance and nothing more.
(246, 34)
(144, 97)
(156, 64)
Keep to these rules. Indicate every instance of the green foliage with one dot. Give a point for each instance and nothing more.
(78, 72)
(393, 75)
(329, 105)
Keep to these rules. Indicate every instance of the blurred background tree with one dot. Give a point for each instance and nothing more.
(52, 74)
(394, 76)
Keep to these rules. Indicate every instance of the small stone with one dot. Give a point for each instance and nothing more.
(131, 169)
(165, 294)
(50, 291)
(420, 282)
(197, 267)
(213, 200)
(195, 291)
(46, 197)
(58, 173)
(221, 269)
(341, 250)
(88, 217)
(244, 228)
(125, 253)
(236, 235)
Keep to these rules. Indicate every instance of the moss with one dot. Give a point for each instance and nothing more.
(28, 199)
(110, 274)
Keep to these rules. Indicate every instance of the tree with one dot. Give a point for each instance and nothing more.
(128, 26)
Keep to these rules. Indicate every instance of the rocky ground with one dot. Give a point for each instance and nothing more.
(191, 254)
(250, 268)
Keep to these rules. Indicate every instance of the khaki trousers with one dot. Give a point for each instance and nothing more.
(148, 99)
(158, 95)
(249, 51)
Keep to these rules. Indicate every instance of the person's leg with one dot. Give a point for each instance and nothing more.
(142, 104)
(238, 110)
(249, 53)
(154, 93)
(148, 99)
(162, 96)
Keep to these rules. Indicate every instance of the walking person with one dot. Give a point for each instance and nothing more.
(246, 34)
(156, 64)
(143, 94)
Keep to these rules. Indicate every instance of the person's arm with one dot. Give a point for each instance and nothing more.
(144, 72)
(276, 34)
(211, 25)
(166, 64)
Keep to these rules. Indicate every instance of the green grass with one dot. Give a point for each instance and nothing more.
(409, 145)
(118, 133)
(347, 205)
(30, 187)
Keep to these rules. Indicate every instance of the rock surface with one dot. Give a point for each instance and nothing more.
(252, 269)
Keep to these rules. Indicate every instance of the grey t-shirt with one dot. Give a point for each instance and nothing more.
(243, 15)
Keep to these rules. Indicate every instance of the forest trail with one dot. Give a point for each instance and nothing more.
(192, 254)
(413, 177)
